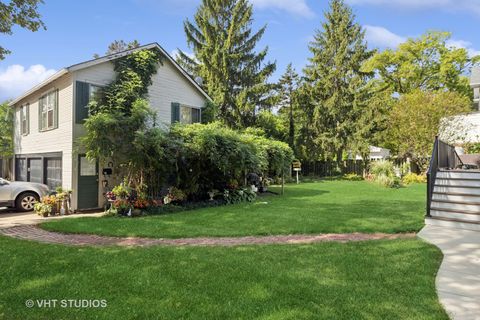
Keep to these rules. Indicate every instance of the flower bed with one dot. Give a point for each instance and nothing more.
(130, 202)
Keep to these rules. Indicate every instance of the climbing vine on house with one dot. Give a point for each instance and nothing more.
(120, 118)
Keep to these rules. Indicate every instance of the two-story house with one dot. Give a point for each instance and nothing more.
(49, 117)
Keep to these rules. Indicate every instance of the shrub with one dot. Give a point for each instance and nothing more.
(389, 182)
(382, 167)
(383, 173)
(410, 178)
(352, 177)
(175, 195)
(213, 156)
(239, 195)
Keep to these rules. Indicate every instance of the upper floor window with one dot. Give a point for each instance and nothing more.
(25, 119)
(84, 93)
(48, 111)
(185, 114)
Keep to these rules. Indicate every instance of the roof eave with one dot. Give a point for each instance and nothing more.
(96, 61)
(55, 76)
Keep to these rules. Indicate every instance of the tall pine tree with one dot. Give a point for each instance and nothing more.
(234, 74)
(335, 80)
(287, 100)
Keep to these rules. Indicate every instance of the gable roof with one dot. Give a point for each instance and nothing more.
(93, 62)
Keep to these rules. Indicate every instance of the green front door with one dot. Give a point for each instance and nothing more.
(87, 183)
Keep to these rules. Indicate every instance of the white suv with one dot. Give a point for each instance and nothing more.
(21, 195)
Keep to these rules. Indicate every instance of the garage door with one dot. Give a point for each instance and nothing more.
(53, 172)
(21, 169)
(35, 170)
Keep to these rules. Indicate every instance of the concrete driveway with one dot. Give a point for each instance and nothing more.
(458, 280)
(10, 218)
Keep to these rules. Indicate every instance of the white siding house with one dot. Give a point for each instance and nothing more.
(48, 122)
(464, 128)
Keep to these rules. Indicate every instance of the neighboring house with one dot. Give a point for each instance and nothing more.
(376, 153)
(49, 117)
(466, 127)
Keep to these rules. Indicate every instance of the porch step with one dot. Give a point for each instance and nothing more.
(456, 197)
(463, 216)
(458, 182)
(464, 190)
(452, 223)
(458, 174)
(465, 207)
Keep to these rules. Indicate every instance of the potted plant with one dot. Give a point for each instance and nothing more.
(42, 209)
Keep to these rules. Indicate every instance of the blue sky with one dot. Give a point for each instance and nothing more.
(78, 29)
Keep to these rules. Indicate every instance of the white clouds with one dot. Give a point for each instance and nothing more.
(296, 7)
(15, 79)
(462, 44)
(451, 5)
(382, 37)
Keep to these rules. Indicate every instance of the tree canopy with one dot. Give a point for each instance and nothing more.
(23, 13)
(334, 81)
(415, 120)
(6, 130)
(427, 63)
(234, 74)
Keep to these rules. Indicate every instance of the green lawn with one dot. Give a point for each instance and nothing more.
(363, 280)
(320, 207)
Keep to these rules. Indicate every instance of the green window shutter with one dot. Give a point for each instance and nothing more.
(175, 112)
(55, 120)
(82, 97)
(195, 115)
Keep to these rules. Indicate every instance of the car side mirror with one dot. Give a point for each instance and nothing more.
(3, 182)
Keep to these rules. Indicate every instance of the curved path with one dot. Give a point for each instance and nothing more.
(458, 280)
(35, 233)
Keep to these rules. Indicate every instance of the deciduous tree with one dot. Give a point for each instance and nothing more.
(23, 13)
(415, 119)
(427, 63)
(6, 130)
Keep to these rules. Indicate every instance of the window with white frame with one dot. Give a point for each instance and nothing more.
(189, 115)
(24, 119)
(48, 110)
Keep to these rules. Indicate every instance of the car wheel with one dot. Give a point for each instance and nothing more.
(26, 201)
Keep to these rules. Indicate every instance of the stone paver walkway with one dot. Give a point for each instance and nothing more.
(11, 218)
(35, 233)
(458, 279)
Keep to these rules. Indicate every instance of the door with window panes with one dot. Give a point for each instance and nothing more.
(87, 183)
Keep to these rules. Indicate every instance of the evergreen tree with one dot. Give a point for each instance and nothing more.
(335, 79)
(234, 74)
(287, 100)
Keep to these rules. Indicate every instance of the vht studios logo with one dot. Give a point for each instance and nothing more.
(66, 303)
